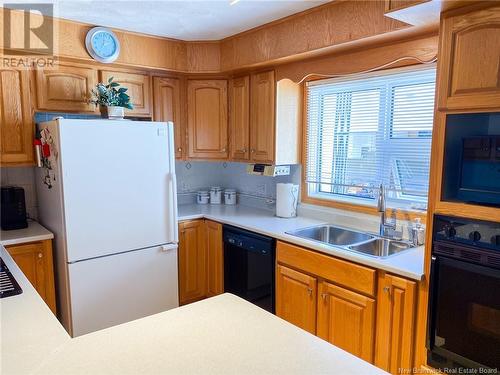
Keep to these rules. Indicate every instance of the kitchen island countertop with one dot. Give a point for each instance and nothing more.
(408, 263)
(219, 335)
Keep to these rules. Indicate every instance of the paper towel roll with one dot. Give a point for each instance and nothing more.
(287, 196)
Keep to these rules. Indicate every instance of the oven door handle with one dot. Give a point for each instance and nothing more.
(431, 313)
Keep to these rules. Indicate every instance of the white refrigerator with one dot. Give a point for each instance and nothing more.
(107, 190)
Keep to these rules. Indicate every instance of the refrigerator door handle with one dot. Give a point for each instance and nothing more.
(172, 223)
(168, 247)
(172, 187)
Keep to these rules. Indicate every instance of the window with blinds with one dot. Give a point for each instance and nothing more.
(371, 130)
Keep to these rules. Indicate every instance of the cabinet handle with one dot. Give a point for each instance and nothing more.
(179, 149)
(40, 255)
(323, 295)
(224, 149)
(252, 150)
(387, 289)
(309, 291)
(244, 150)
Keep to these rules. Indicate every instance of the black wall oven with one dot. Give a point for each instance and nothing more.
(464, 301)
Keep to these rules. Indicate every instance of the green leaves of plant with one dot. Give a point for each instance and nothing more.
(110, 95)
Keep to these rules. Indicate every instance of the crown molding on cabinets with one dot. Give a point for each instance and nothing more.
(314, 32)
(398, 53)
(302, 35)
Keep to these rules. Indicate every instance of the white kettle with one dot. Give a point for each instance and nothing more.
(287, 197)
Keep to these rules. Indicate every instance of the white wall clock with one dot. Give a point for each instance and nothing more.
(102, 44)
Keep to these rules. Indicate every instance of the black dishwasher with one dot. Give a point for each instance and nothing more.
(249, 266)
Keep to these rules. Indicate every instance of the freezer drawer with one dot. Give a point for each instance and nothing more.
(119, 288)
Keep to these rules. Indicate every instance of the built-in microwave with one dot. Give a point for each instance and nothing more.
(471, 167)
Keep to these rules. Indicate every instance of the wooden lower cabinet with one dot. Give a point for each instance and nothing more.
(364, 311)
(192, 261)
(35, 260)
(200, 260)
(296, 295)
(215, 258)
(395, 323)
(346, 319)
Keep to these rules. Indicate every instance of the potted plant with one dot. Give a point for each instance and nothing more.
(111, 99)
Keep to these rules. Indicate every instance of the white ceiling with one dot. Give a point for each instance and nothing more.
(182, 19)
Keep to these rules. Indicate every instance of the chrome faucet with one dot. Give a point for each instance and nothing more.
(386, 228)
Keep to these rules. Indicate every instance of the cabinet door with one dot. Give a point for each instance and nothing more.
(262, 117)
(215, 255)
(139, 90)
(35, 260)
(167, 107)
(240, 118)
(16, 124)
(207, 119)
(192, 262)
(395, 323)
(470, 60)
(346, 319)
(65, 88)
(296, 298)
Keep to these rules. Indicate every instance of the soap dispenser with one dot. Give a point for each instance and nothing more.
(417, 232)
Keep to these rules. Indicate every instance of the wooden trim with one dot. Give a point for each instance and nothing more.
(345, 273)
(257, 46)
(244, 50)
(467, 210)
(398, 214)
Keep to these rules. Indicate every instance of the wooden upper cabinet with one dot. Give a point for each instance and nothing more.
(296, 295)
(65, 88)
(35, 260)
(240, 118)
(392, 5)
(470, 60)
(347, 320)
(215, 258)
(16, 123)
(192, 261)
(396, 303)
(139, 90)
(207, 119)
(262, 117)
(167, 107)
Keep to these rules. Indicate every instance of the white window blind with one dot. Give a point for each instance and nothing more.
(370, 130)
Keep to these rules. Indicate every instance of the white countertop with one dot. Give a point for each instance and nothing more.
(30, 331)
(409, 263)
(219, 335)
(34, 232)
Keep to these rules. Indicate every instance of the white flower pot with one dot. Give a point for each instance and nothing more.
(112, 112)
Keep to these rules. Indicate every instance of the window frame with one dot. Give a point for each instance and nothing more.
(352, 203)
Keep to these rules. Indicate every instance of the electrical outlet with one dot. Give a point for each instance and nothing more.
(282, 170)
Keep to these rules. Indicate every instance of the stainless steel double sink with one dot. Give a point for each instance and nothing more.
(365, 243)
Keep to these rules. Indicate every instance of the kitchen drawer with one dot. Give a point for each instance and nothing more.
(350, 275)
